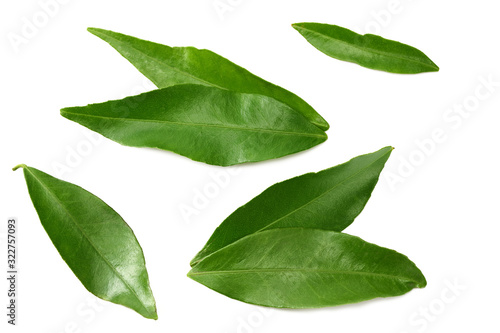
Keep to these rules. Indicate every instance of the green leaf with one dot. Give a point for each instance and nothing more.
(330, 199)
(206, 124)
(167, 66)
(95, 242)
(368, 50)
(306, 268)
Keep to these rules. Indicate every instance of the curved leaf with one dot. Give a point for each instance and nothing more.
(330, 199)
(206, 124)
(368, 50)
(167, 66)
(95, 242)
(306, 268)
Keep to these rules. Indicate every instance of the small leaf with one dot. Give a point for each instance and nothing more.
(95, 242)
(167, 66)
(330, 199)
(306, 268)
(368, 50)
(206, 124)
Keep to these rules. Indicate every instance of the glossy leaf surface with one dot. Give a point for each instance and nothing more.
(368, 50)
(330, 199)
(167, 66)
(95, 242)
(206, 124)
(306, 268)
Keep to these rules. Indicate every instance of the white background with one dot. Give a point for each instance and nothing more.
(438, 205)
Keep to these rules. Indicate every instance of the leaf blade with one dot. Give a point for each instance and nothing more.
(368, 50)
(330, 199)
(95, 242)
(203, 123)
(167, 66)
(306, 268)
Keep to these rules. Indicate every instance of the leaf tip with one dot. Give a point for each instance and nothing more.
(150, 313)
(96, 31)
(93, 30)
(64, 112)
(191, 274)
(387, 149)
(323, 125)
(431, 66)
(422, 283)
(418, 281)
(154, 315)
(19, 166)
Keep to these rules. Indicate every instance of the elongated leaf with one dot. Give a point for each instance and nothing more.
(206, 124)
(306, 268)
(368, 50)
(330, 199)
(167, 66)
(95, 242)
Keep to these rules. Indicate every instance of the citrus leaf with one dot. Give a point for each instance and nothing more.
(206, 124)
(330, 199)
(368, 50)
(95, 242)
(306, 268)
(166, 66)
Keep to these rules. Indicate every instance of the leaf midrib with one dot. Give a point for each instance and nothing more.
(368, 50)
(300, 270)
(199, 125)
(47, 189)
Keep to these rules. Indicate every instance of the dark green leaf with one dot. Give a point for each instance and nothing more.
(167, 66)
(95, 242)
(368, 50)
(306, 268)
(206, 124)
(330, 199)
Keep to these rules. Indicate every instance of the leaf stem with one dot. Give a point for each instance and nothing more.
(19, 166)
